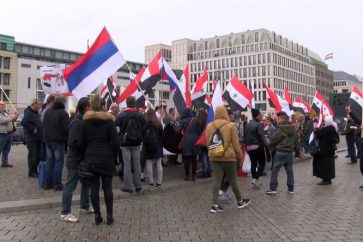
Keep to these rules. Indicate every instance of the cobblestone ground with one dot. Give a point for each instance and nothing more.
(313, 213)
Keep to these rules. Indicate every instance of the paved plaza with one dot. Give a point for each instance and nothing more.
(180, 210)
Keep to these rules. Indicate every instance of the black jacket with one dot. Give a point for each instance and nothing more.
(100, 142)
(308, 128)
(74, 155)
(55, 124)
(328, 140)
(31, 122)
(254, 134)
(124, 117)
(157, 151)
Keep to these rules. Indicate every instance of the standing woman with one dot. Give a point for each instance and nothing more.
(323, 163)
(152, 147)
(100, 143)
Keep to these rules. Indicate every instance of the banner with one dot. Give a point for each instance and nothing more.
(52, 80)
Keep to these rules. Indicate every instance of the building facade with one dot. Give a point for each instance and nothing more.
(152, 50)
(344, 82)
(323, 76)
(255, 57)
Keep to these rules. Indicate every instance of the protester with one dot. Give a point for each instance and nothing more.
(269, 131)
(6, 129)
(323, 163)
(48, 105)
(170, 119)
(308, 129)
(33, 136)
(191, 129)
(100, 143)
(255, 141)
(73, 158)
(152, 147)
(349, 132)
(299, 126)
(203, 151)
(130, 123)
(114, 109)
(227, 163)
(283, 141)
(56, 121)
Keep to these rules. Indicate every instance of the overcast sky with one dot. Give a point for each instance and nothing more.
(321, 25)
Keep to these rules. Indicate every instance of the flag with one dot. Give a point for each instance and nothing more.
(152, 74)
(52, 80)
(321, 116)
(109, 92)
(180, 87)
(133, 90)
(199, 90)
(277, 102)
(287, 95)
(356, 102)
(317, 103)
(252, 88)
(328, 56)
(100, 61)
(301, 106)
(237, 95)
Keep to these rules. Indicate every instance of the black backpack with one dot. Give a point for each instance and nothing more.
(150, 139)
(132, 134)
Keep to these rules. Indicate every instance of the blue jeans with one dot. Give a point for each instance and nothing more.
(5, 146)
(55, 161)
(282, 159)
(351, 149)
(306, 147)
(70, 186)
(206, 168)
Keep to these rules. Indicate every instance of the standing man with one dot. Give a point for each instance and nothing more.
(33, 136)
(308, 129)
(114, 109)
(131, 123)
(283, 141)
(56, 121)
(6, 128)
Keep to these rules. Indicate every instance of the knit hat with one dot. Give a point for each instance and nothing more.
(255, 112)
(60, 99)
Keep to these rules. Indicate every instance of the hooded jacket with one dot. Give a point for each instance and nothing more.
(254, 134)
(31, 122)
(232, 149)
(284, 138)
(74, 155)
(100, 142)
(55, 124)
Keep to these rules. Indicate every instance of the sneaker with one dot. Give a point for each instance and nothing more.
(243, 203)
(216, 209)
(87, 211)
(151, 184)
(138, 190)
(69, 218)
(271, 192)
(6, 165)
(254, 183)
(225, 197)
(290, 191)
(126, 190)
(158, 184)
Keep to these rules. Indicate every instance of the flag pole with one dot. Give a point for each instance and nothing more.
(11, 104)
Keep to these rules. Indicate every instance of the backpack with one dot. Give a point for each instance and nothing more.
(150, 139)
(132, 134)
(216, 148)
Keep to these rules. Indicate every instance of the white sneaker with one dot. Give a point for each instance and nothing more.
(254, 182)
(87, 211)
(69, 218)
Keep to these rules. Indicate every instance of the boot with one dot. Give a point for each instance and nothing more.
(110, 219)
(98, 218)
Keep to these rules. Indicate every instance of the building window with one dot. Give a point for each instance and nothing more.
(3, 46)
(217, 43)
(40, 96)
(256, 37)
(7, 63)
(243, 41)
(3, 96)
(1, 61)
(29, 82)
(205, 45)
(6, 79)
(25, 65)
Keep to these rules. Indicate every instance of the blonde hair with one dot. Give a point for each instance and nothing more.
(96, 103)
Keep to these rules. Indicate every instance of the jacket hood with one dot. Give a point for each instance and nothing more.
(99, 116)
(187, 113)
(287, 128)
(221, 113)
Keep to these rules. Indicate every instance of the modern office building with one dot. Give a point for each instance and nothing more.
(255, 57)
(152, 50)
(343, 82)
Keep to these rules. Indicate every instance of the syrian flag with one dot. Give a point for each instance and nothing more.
(356, 102)
(321, 116)
(278, 102)
(252, 88)
(318, 102)
(133, 90)
(301, 106)
(199, 90)
(237, 95)
(181, 96)
(287, 96)
(109, 92)
(152, 74)
(329, 56)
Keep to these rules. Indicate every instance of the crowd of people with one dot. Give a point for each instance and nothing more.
(93, 140)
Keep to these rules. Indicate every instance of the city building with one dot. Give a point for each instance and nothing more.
(152, 50)
(255, 57)
(323, 76)
(20, 74)
(343, 82)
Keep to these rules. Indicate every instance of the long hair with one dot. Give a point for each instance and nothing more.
(202, 117)
(96, 103)
(152, 118)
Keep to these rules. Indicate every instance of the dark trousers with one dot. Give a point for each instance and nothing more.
(190, 160)
(358, 142)
(225, 183)
(361, 159)
(34, 156)
(351, 149)
(257, 157)
(107, 191)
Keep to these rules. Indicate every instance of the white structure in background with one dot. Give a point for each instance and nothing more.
(343, 82)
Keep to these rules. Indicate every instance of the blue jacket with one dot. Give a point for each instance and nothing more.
(30, 122)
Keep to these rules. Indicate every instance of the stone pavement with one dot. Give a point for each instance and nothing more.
(313, 213)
